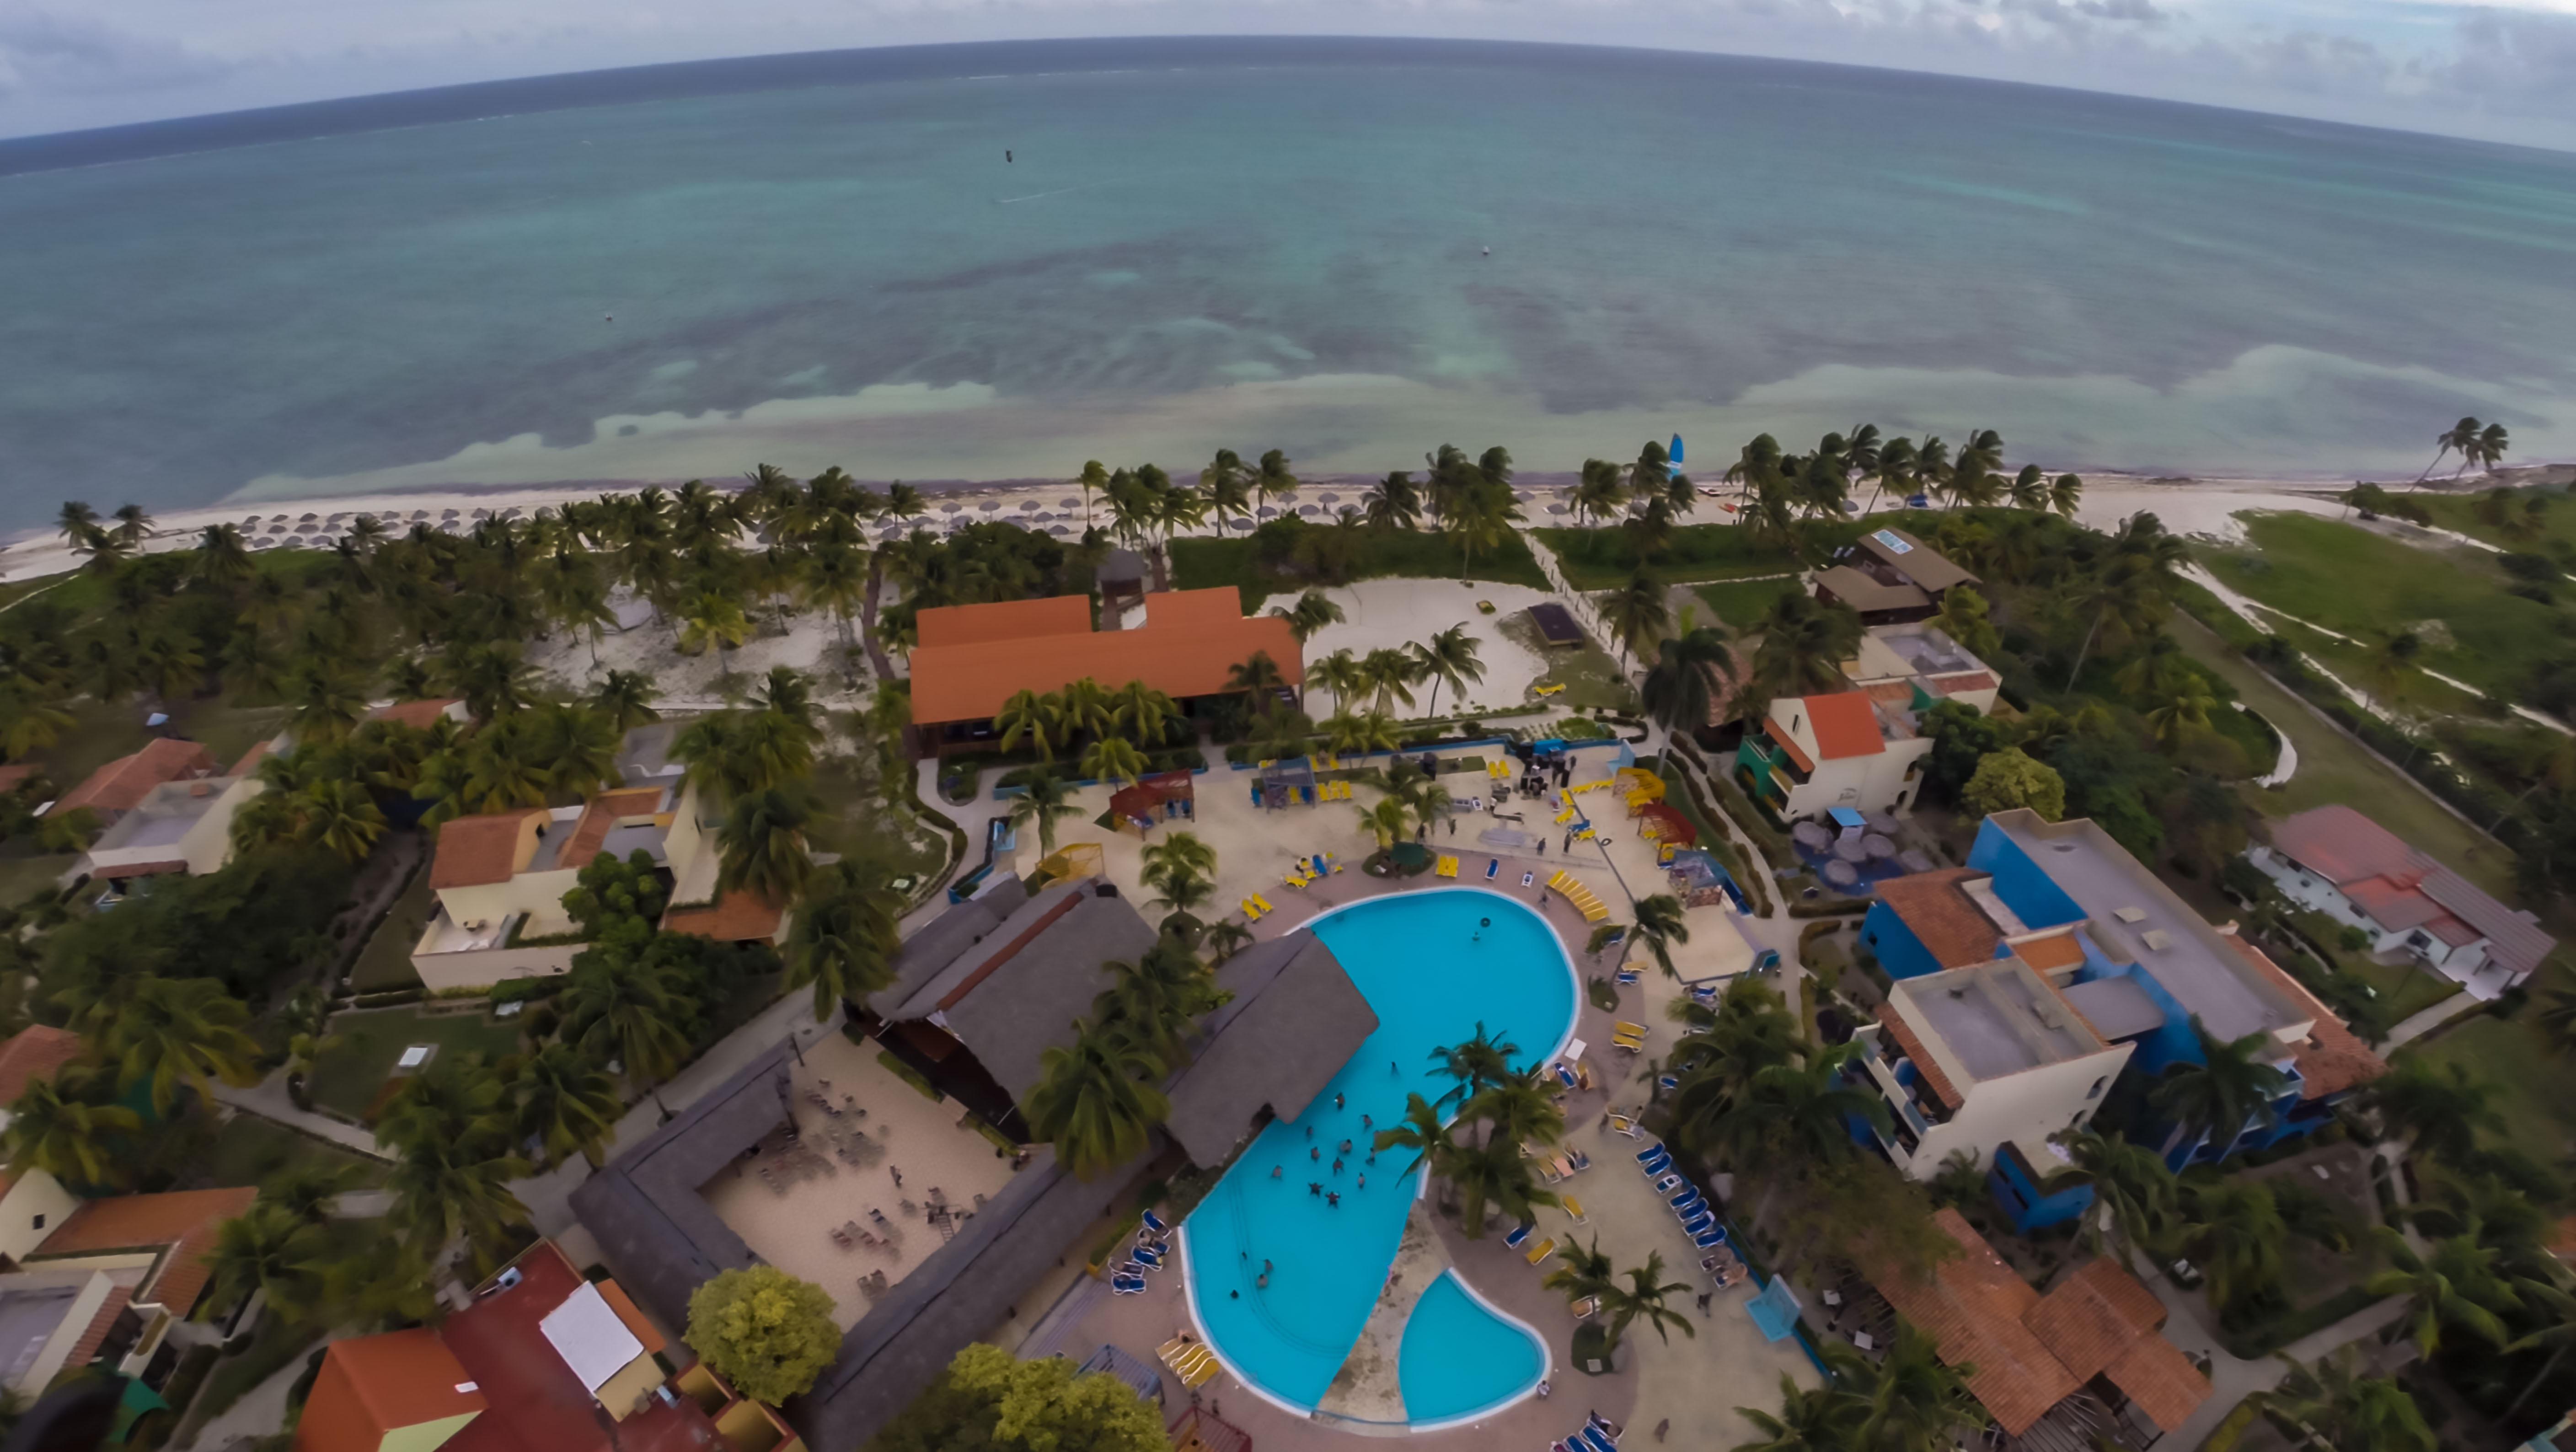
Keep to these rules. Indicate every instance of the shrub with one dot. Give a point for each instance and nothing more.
(2539, 569)
(765, 1331)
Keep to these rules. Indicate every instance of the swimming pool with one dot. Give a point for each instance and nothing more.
(1433, 964)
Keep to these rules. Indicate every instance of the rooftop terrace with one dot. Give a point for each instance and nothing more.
(1995, 1018)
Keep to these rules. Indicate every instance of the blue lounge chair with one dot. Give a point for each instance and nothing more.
(1710, 1240)
(1127, 1285)
(1721, 1234)
(1627, 977)
(1493, 867)
(1690, 1210)
(1688, 1194)
(1565, 1076)
(1598, 1440)
(1649, 1152)
(1669, 1082)
(1699, 1225)
(1152, 1258)
(1668, 1184)
(1656, 1162)
(1154, 1223)
(1518, 1236)
(1582, 1161)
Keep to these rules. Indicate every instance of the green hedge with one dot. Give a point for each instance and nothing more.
(2262, 1338)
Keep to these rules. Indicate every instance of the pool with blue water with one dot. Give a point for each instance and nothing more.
(1433, 965)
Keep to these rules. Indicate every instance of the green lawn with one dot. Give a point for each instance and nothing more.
(2460, 512)
(1600, 559)
(350, 1072)
(2535, 1089)
(2333, 768)
(1591, 676)
(23, 877)
(2404, 989)
(1739, 603)
(1201, 564)
(250, 1150)
(386, 960)
(2368, 586)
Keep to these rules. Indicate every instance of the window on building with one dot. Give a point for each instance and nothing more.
(2098, 1086)
(40, 1223)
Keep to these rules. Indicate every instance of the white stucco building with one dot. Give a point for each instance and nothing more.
(2335, 861)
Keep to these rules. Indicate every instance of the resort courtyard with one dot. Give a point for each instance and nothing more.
(1689, 1388)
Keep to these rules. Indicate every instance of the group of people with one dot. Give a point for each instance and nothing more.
(1341, 1154)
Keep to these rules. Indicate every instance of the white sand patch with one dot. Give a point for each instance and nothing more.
(812, 644)
(1386, 614)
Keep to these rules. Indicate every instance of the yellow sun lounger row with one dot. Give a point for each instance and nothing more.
(1565, 816)
(1190, 1360)
(1499, 770)
(1257, 907)
(1446, 867)
(1583, 899)
(1333, 791)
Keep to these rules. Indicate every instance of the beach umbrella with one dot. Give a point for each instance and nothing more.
(951, 507)
(1812, 836)
(1849, 849)
(1068, 504)
(1877, 848)
(990, 505)
(1842, 874)
(1880, 822)
(1308, 510)
(1556, 509)
(1059, 529)
(1269, 513)
(1028, 506)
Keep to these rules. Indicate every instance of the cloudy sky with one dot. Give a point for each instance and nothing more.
(2503, 72)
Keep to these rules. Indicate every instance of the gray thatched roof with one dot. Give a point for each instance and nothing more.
(654, 1228)
(961, 1292)
(1295, 1019)
(950, 936)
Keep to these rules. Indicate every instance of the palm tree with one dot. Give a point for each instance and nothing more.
(628, 1011)
(1358, 733)
(2439, 1109)
(1819, 1420)
(1582, 1273)
(1113, 760)
(2460, 1284)
(1178, 852)
(1800, 1111)
(1386, 820)
(1044, 802)
(174, 1031)
(762, 845)
(1496, 1178)
(1644, 1298)
(1480, 517)
(1341, 674)
(2132, 1186)
(133, 525)
(844, 936)
(223, 559)
(1093, 1101)
(1599, 491)
(1659, 926)
(1804, 643)
(1916, 1404)
(712, 617)
(327, 702)
(1227, 486)
(310, 1193)
(447, 1188)
(267, 1249)
(1158, 1000)
(2351, 1412)
(2491, 445)
(78, 523)
(2233, 1231)
(1259, 678)
(341, 818)
(2558, 1334)
(1450, 656)
(1144, 714)
(1394, 503)
(1680, 687)
(1275, 480)
(2182, 712)
(1084, 709)
(1422, 1131)
(625, 700)
(1026, 715)
(567, 1102)
(2230, 1089)
(1516, 1111)
(2066, 494)
(1637, 612)
(1313, 611)
(50, 1130)
(1476, 1062)
(1389, 675)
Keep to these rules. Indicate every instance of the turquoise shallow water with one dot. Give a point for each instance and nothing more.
(1460, 1359)
(1433, 965)
(1253, 243)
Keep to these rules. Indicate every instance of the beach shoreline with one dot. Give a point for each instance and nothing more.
(2191, 504)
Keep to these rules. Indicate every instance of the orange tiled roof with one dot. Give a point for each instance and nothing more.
(475, 851)
(118, 1297)
(32, 1053)
(1964, 682)
(1955, 930)
(373, 1385)
(593, 826)
(736, 917)
(1193, 655)
(2030, 1352)
(633, 1315)
(1845, 726)
(2056, 951)
(1907, 1040)
(943, 625)
(122, 784)
(184, 1220)
(2332, 1058)
(251, 759)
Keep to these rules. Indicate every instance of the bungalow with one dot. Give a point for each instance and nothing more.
(108, 1280)
(1862, 747)
(2338, 862)
(2134, 964)
(2085, 1365)
(1890, 577)
(971, 659)
(543, 1360)
(121, 785)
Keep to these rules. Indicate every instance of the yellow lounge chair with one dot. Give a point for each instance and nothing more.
(1547, 690)
(1565, 816)
(1173, 1347)
(1542, 1250)
(1574, 1208)
(1625, 1027)
(1583, 1310)
(1447, 867)
(1251, 913)
(1206, 1373)
(1263, 903)
(1498, 770)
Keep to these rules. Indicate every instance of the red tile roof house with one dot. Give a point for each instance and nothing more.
(972, 658)
(542, 1361)
(2340, 863)
(110, 1278)
(2084, 1360)
(120, 786)
(1860, 748)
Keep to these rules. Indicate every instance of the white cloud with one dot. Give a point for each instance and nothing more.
(2445, 65)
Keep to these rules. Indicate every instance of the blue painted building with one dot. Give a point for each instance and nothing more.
(2132, 963)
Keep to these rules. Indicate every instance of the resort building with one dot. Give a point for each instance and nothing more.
(121, 785)
(2338, 862)
(500, 879)
(543, 1360)
(2085, 1365)
(178, 826)
(970, 659)
(1862, 747)
(1890, 577)
(2131, 961)
(792, 1161)
(107, 1281)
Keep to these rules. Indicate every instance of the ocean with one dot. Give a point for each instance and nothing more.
(1352, 250)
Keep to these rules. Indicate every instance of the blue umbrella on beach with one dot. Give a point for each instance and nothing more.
(1675, 453)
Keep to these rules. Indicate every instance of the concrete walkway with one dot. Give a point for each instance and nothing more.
(260, 1412)
(268, 1099)
(2424, 1021)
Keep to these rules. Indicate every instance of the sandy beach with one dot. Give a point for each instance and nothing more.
(2186, 505)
